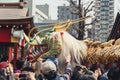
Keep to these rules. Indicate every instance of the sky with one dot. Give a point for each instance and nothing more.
(53, 5)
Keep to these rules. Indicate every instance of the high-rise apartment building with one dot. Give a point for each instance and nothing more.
(65, 13)
(37, 14)
(104, 13)
(44, 8)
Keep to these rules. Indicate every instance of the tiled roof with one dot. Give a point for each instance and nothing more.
(115, 32)
(13, 13)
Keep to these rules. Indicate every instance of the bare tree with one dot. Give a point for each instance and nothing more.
(81, 11)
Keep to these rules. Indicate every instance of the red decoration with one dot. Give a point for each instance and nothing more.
(5, 35)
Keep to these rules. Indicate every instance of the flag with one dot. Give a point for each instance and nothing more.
(21, 42)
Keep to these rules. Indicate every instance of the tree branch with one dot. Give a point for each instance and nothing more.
(89, 5)
(94, 21)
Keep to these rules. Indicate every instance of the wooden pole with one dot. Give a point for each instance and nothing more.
(15, 53)
(9, 54)
(22, 53)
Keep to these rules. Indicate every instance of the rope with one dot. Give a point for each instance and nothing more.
(58, 26)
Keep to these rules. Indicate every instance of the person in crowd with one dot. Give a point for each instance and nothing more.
(78, 70)
(114, 73)
(86, 77)
(6, 71)
(27, 73)
(49, 70)
(38, 74)
(96, 71)
(103, 76)
(3, 65)
(4, 59)
(19, 66)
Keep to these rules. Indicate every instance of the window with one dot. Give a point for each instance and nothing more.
(104, 22)
(104, 0)
(98, 17)
(111, 8)
(103, 26)
(97, 27)
(104, 8)
(110, 3)
(111, 17)
(104, 3)
(104, 13)
(111, 12)
(110, 26)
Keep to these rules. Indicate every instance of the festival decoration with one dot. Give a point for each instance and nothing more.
(60, 43)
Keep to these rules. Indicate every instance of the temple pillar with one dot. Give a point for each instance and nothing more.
(22, 53)
(15, 53)
(10, 54)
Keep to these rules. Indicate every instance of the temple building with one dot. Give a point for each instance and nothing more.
(13, 15)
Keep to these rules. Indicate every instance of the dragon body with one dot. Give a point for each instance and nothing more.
(60, 43)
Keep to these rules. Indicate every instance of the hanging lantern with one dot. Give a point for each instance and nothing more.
(18, 34)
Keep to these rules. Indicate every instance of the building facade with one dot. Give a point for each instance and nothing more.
(44, 8)
(65, 13)
(13, 16)
(36, 12)
(104, 13)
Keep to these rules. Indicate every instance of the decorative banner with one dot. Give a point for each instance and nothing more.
(21, 42)
(5, 35)
(14, 40)
(19, 36)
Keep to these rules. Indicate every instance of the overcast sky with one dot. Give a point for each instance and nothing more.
(53, 4)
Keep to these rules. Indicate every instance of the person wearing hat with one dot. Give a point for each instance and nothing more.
(49, 70)
(27, 73)
(3, 65)
(3, 71)
(6, 71)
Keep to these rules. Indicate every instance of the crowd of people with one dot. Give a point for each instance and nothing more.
(47, 69)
